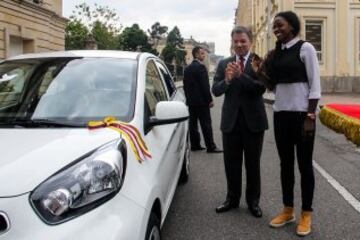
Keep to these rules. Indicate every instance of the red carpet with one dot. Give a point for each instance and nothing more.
(343, 118)
(352, 110)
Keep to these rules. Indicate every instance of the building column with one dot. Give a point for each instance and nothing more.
(342, 33)
(7, 42)
(288, 5)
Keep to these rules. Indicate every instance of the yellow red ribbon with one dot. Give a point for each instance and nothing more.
(130, 133)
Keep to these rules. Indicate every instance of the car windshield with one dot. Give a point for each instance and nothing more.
(66, 91)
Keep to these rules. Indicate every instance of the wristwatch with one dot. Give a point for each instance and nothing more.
(312, 116)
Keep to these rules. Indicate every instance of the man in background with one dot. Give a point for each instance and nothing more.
(199, 101)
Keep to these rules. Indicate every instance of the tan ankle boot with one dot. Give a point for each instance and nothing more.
(304, 227)
(287, 216)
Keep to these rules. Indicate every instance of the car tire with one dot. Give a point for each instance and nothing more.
(153, 228)
(185, 170)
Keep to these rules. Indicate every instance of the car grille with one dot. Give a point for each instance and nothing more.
(4, 223)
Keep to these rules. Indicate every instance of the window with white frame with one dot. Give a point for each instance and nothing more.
(314, 35)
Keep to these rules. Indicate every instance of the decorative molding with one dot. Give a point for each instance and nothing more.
(29, 5)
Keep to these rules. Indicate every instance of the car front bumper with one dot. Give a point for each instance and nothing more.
(119, 218)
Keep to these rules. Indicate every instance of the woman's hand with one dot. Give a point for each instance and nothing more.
(309, 126)
(256, 63)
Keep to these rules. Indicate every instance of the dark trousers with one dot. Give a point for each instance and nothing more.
(241, 141)
(201, 114)
(288, 135)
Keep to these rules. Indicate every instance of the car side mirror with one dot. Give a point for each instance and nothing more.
(168, 112)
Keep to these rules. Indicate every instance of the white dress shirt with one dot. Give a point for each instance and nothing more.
(246, 57)
(295, 96)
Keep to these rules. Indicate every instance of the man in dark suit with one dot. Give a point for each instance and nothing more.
(243, 122)
(199, 101)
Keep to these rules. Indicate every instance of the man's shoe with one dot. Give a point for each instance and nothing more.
(255, 210)
(214, 150)
(226, 206)
(199, 148)
(287, 216)
(304, 227)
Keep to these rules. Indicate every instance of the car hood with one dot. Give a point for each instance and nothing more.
(30, 156)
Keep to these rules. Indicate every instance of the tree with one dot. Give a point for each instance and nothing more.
(101, 22)
(180, 55)
(156, 33)
(104, 38)
(174, 38)
(75, 35)
(134, 39)
(174, 49)
(108, 17)
(168, 53)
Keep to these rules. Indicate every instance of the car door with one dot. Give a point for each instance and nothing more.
(180, 131)
(160, 139)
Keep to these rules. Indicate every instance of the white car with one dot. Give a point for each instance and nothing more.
(63, 178)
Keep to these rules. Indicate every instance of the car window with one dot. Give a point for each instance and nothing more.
(87, 88)
(71, 90)
(154, 87)
(167, 78)
(12, 79)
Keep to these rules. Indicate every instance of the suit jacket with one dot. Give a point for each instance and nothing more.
(196, 85)
(243, 93)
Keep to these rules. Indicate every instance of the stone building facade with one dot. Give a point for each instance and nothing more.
(189, 44)
(28, 26)
(332, 26)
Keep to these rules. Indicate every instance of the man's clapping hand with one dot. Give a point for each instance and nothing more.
(232, 71)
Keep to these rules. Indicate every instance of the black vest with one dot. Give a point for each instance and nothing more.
(287, 65)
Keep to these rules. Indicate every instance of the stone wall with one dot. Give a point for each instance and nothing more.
(340, 84)
(38, 27)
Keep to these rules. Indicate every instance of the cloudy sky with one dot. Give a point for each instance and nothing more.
(204, 20)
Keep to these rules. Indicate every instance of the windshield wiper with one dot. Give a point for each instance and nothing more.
(9, 125)
(44, 123)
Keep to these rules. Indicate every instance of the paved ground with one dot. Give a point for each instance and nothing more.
(192, 215)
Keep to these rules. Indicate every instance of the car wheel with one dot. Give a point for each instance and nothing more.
(185, 171)
(153, 228)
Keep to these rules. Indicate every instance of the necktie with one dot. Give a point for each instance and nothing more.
(241, 63)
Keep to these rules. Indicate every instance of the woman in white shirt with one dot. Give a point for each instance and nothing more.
(292, 72)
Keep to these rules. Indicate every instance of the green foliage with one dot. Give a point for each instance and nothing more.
(101, 22)
(89, 17)
(174, 38)
(75, 35)
(174, 49)
(103, 36)
(180, 55)
(168, 53)
(156, 33)
(134, 39)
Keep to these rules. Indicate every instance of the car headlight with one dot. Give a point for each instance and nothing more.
(81, 186)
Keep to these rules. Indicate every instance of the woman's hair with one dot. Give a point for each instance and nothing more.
(292, 19)
(272, 56)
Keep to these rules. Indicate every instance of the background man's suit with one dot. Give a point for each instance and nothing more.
(243, 122)
(198, 99)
